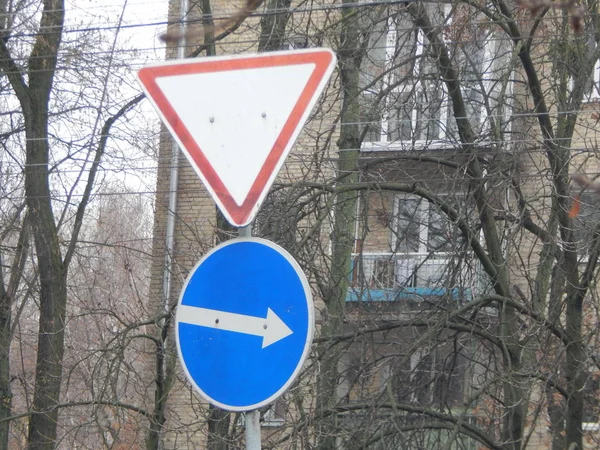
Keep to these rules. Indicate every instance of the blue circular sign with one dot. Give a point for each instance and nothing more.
(244, 323)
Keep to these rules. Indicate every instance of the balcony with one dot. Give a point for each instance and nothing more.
(405, 430)
(386, 277)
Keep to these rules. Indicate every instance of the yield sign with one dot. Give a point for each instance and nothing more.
(237, 117)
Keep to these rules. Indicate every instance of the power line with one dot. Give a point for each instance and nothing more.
(511, 141)
(256, 14)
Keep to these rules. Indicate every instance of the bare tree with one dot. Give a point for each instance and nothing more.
(41, 141)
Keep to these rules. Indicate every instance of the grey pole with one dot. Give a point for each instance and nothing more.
(170, 231)
(252, 429)
(245, 231)
(252, 418)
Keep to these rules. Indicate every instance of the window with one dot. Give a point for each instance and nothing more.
(295, 43)
(429, 377)
(427, 256)
(434, 377)
(415, 107)
(422, 239)
(591, 402)
(275, 415)
(404, 101)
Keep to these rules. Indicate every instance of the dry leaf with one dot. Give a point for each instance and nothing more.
(574, 211)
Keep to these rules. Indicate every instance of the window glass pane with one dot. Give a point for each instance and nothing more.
(423, 372)
(401, 113)
(591, 87)
(450, 377)
(429, 114)
(478, 64)
(407, 225)
(429, 376)
(401, 372)
(472, 67)
(429, 95)
(370, 118)
(443, 235)
(440, 231)
(373, 63)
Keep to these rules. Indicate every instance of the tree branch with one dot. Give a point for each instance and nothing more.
(104, 135)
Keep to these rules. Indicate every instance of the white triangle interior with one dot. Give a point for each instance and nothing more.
(236, 116)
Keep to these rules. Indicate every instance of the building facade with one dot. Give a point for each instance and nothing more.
(429, 201)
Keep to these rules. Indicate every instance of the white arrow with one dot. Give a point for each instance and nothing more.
(272, 329)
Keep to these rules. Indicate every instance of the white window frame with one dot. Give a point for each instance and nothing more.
(594, 94)
(445, 117)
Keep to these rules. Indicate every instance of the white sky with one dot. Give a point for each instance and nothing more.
(143, 21)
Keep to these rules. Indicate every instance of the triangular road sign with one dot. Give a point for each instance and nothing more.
(237, 117)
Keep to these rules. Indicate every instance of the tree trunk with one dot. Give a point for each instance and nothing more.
(514, 396)
(350, 56)
(53, 293)
(52, 274)
(8, 292)
(5, 390)
(272, 26)
(163, 379)
(34, 99)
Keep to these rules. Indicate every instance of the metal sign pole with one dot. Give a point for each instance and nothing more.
(245, 231)
(252, 429)
(252, 418)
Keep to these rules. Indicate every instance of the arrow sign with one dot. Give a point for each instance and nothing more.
(271, 328)
(237, 117)
(244, 324)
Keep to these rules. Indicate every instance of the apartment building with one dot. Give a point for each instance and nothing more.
(443, 148)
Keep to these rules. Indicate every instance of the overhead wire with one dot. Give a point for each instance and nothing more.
(361, 4)
(237, 42)
(258, 14)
